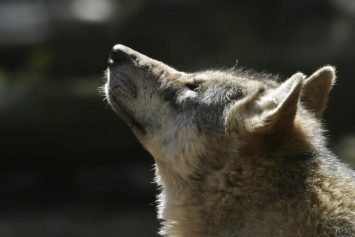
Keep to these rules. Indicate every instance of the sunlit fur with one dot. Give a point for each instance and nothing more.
(101, 89)
(237, 153)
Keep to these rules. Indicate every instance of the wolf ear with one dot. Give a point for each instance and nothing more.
(273, 111)
(316, 89)
(279, 106)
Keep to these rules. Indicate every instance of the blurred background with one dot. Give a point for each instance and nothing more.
(69, 166)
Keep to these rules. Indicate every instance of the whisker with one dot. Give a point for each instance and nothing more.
(236, 64)
(105, 76)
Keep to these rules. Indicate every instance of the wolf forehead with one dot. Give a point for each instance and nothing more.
(220, 85)
(234, 77)
(217, 91)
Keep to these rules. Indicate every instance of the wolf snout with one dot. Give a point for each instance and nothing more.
(119, 55)
(123, 55)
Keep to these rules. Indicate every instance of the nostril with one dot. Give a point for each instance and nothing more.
(118, 55)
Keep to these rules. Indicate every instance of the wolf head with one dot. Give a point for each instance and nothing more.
(189, 120)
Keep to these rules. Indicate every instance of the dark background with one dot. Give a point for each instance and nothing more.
(69, 166)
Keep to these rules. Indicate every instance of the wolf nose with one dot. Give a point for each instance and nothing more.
(118, 55)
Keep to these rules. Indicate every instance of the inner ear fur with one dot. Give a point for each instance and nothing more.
(286, 98)
(272, 111)
(316, 89)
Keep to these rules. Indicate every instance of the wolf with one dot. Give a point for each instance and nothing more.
(237, 153)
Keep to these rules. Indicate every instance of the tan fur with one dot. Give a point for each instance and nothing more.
(237, 153)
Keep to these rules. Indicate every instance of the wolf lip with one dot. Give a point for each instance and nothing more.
(126, 116)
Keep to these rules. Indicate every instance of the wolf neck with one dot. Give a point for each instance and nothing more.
(223, 199)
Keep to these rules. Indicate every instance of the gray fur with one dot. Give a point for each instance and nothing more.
(237, 153)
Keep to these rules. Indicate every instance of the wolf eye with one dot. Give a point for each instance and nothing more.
(193, 87)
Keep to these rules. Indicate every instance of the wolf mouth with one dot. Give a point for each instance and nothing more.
(126, 116)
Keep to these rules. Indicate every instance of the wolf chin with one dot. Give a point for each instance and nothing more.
(237, 153)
